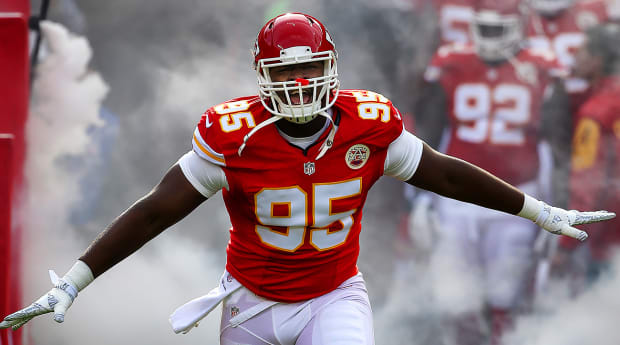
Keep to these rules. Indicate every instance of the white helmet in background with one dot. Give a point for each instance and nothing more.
(550, 7)
(498, 28)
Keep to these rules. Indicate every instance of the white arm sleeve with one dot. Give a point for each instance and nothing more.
(205, 176)
(403, 156)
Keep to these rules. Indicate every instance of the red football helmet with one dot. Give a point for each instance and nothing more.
(497, 28)
(294, 38)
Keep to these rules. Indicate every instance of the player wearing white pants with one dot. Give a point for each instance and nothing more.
(340, 317)
(295, 192)
(488, 255)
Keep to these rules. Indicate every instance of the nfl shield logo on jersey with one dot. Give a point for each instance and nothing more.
(234, 311)
(309, 168)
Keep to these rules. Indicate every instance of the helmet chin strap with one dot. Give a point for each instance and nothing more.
(271, 120)
(327, 144)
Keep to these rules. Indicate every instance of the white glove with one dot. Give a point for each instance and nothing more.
(423, 222)
(558, 221)
(57, 300)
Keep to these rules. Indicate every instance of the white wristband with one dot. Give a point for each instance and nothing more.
(532, 208)
(79, 275)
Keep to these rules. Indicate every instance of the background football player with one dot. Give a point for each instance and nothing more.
(559, 25)
(595, 169)
(493, 98)
(294, 164)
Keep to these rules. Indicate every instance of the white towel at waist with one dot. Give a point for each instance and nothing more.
(187, 316)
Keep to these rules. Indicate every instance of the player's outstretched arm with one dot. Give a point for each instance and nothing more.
(170, 201)
(457, 179)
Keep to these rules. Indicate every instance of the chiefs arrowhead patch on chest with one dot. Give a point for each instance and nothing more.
(357, 156)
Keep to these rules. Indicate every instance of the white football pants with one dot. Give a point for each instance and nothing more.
(340, 317)
(483, 256)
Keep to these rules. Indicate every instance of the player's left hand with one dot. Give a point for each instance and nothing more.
(559, 221)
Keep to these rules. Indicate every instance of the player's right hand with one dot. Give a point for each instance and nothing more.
(57, 300)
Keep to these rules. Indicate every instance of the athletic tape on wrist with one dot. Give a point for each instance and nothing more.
(62, 284)
(79, 275)
(532, 208)
(68, 288)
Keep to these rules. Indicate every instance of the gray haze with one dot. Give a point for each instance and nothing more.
(157, 66)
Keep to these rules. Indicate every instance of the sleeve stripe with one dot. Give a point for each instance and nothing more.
(207, 152)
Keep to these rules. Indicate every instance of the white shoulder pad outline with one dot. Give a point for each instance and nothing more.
(205, 151)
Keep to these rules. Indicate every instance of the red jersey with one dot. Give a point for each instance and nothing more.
(563, 34)
(454, 18)
(296, 220)
(595, 175)
(494, 110)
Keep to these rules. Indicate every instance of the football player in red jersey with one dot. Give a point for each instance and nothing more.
(559, 25)
(453, 20)
(595, 178)
(489, 97)
(294, 164)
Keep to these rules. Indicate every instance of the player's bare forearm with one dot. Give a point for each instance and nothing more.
(460, 180)
(170, 201)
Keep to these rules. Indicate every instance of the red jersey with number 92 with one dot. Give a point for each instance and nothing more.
(296, 220)
(494, 110)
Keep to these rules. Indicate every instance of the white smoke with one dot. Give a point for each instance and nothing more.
(589, 318)
(131, 303)
(413, 314)
(66, 100)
